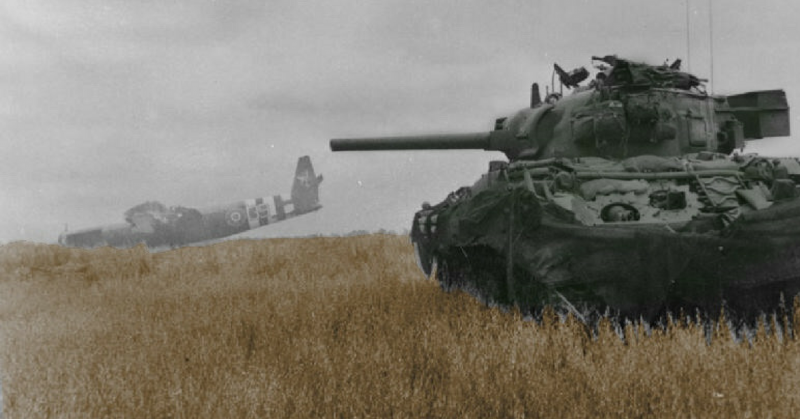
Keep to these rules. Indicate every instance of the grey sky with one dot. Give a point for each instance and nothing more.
(107, 103)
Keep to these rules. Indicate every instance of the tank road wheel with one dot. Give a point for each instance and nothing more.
(481, 272)
(451, 271)
(528, 294)
(747, 306)
(486, 277)
(449, 277)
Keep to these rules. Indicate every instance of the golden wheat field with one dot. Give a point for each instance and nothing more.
(339, 327)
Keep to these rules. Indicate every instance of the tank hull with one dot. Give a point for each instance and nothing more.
(507, 244)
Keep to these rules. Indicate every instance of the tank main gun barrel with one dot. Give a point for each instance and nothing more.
(471, 141)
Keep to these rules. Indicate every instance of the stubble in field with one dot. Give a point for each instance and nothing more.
(339, 327)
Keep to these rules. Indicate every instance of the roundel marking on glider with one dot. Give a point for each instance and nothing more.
(234, 218)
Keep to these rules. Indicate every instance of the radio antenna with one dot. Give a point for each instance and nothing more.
(688, 45)
(711, 43)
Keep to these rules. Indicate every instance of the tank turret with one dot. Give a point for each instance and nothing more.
(628, 109)
(623, 194)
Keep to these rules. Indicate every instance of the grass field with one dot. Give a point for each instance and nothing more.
(339, 327)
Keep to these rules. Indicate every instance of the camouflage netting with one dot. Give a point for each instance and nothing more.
(626, 72)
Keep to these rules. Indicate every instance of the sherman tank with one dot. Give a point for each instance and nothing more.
(629, 192)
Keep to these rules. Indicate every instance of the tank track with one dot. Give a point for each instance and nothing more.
(483, 273)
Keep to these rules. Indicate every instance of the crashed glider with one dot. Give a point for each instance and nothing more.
(157, 225)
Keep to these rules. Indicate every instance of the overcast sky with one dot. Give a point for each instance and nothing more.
(106, 104)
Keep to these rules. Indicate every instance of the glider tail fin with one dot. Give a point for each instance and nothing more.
(305, 189)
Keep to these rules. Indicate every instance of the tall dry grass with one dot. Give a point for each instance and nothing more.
(339, 327)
